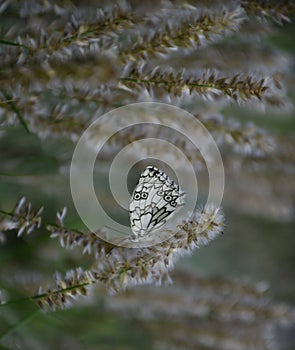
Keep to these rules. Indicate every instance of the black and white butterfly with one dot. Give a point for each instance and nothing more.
(155, 199)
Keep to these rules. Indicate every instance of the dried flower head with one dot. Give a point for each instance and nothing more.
(23, 218)
(74, 284)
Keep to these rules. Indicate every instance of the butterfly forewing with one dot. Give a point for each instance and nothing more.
(154, 200)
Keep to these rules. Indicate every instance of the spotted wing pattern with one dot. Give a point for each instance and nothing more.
(154, 200)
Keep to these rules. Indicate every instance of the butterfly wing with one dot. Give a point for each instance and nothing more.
(154, 199)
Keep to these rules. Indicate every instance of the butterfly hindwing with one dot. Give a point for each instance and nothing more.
(154, 199)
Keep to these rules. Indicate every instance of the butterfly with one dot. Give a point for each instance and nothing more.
(153, 201)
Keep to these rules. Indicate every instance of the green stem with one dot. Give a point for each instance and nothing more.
(43, 295)
(5, 212)
(164, 82)
(20, 323)
(14, 108)
(11, 43)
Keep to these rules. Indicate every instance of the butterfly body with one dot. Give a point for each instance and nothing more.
(154, 200)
